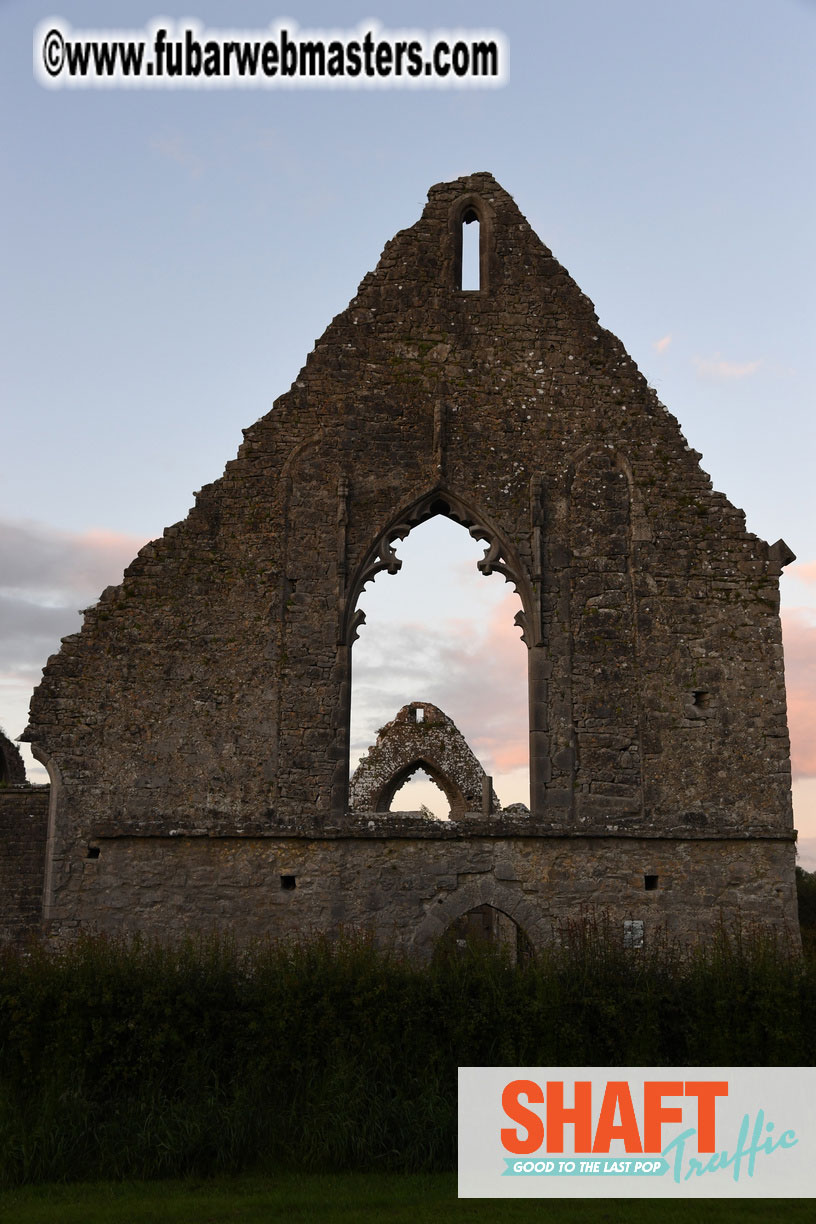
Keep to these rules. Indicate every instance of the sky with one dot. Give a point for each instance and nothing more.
(170, 256)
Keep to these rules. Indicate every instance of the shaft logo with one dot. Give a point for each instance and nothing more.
(639, 1129)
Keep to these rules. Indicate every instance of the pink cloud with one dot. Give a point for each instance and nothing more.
(662, 344)
(718, 367)
(473, 667)
(482, 685)
(101, 553)
(504, 739)
(46, 574)
(804, 571)
(799, 633)
(37, 558)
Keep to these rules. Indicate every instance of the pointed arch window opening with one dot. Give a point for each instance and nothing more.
(363, 734)
(420, 793)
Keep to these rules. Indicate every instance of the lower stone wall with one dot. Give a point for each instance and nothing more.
(407, 893)
(23, 829)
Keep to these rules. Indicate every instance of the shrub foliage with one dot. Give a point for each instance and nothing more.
(130, 1059)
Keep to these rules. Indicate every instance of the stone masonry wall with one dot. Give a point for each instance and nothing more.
(421, 734)
(209, 693)
(23, 827)
(406, 891)
(12, 769)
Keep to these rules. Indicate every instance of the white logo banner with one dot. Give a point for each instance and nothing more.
(637, 1132)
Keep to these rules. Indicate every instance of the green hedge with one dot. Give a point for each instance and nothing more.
(131, 1059)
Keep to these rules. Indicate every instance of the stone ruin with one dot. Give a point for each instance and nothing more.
(422, 737)
(12, 769)
(23, 822)
(196, 730)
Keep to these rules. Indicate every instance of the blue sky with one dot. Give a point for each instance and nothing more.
(169, 258)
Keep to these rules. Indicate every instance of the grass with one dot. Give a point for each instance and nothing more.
(355, 1198)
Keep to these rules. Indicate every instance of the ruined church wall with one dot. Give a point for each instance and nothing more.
(406, 892)
(23, 826)
(209, 692)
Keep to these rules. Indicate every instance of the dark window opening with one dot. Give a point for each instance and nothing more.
(93, 852)
(701, 699)
(471, 280)
(650, 882)
(288, 882)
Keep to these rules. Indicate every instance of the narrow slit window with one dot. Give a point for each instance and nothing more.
(471, 252)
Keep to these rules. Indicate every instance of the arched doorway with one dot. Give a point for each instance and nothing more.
(486, 928)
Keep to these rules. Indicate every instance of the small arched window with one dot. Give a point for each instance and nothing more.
(471, 260)
(470, 230)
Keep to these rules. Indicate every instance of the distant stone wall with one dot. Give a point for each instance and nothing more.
(23, 829)
(421, 736)
(12, 769)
